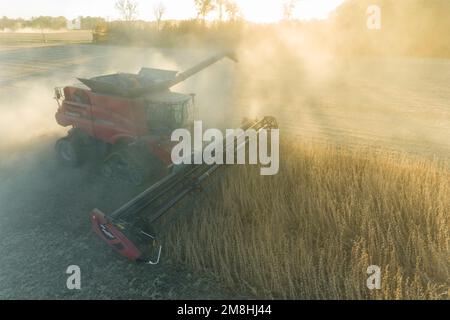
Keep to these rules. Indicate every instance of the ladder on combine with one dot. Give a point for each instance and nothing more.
(129, 229)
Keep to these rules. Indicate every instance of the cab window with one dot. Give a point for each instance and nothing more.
(79, 96)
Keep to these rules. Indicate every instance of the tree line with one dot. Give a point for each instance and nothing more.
(408, 27)
(47, 22)
(128, 10)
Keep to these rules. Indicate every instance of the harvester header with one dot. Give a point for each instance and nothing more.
(126, 121)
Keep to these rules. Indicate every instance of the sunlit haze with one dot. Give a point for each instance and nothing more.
(252, 10)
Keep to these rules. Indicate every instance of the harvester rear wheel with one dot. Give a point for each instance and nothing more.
(68, 152)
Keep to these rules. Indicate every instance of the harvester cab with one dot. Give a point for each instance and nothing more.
(170, 110)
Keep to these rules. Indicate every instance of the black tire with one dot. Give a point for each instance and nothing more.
(68, 152)
(122, 166)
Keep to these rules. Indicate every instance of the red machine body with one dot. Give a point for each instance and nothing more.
(112, 119)
(128, 117)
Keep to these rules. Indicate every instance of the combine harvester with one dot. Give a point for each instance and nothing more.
(128, 119)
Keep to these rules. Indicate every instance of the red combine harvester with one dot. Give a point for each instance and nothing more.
(129, 118)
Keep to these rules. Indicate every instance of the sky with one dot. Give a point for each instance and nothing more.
(253, 10)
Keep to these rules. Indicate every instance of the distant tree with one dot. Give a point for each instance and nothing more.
(6, 23)
(288, 9)
(409, 27)
(203, 8)
(58, 22)
(89, 23)
(220, 6)
(40, 22)
(159, 10)
(46, 22)
(127, 9)
(232, 10)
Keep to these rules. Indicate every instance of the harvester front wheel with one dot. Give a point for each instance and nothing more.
(121, 166)
(68, 152)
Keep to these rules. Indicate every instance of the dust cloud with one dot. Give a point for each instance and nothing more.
(388, 102)
(396, 102)
(27, 117)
